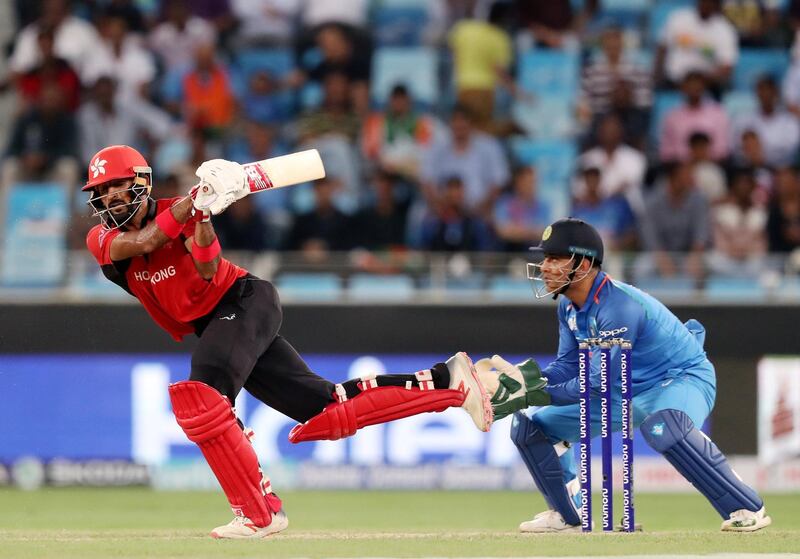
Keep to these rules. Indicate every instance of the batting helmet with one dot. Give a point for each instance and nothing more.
(114, 163)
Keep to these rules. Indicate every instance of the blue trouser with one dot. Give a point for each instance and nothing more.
(687, 393)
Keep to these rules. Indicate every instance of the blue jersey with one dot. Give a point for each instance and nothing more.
(663, 347)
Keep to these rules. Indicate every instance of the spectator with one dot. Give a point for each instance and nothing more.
(752, 156)
(551, 24)
(697, 39)
(757, 22)
(476, 158)
(333, 129)
(708, 175)
(777, 129)
(42, 143)
(322, 229)
(453, 227)
(105, 120)
(74, 40)
(219, 13)
(241, 227)
(177, 38)
(261, 142)
(621, 167)
(635, 121)
(602, 79)
(121, 55)
(739, 230)
(521, 216)
(675, 227)
(320, 12)
(265, 22)
(264, 101)
(610, 215)
(482, 56)
(394, 139)
(381, 225)
(130, 11)
(791, 80)
(203, 95)
(342, 53)
(50, 70)
(783, 223)
(698, 114)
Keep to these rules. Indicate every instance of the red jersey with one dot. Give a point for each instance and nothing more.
(165, 281)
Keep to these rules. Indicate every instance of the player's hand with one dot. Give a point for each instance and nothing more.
(205, 201)
(227, 181)
(518, 386)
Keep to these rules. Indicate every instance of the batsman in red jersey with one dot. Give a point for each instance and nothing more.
(165, 253)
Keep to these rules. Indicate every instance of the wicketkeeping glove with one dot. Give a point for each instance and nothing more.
(519, 386)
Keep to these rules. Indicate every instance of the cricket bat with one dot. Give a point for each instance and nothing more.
(286, 170)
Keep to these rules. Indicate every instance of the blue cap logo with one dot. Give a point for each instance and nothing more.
(657, 430)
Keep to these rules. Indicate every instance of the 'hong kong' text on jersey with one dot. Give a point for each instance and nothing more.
(165, 281)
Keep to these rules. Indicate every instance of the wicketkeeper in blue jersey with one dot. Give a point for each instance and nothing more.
(673, 382)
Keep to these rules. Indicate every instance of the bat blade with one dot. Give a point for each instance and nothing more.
(286, 170)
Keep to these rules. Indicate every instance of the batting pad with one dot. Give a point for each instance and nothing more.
(207, 418)
(542, 462)
(373, 406)
(697, 458)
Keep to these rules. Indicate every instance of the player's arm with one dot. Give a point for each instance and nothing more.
(204, 248)
(154, 235)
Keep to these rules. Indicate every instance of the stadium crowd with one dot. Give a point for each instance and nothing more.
(672, 155)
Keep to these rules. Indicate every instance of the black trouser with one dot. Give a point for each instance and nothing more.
(240, 347)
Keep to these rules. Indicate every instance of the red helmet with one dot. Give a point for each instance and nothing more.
(113, 163)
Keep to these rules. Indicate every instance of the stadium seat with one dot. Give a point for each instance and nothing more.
(554, 159)
(278, 62)
(399, 25)
(738, 103)
(547, 117)
(668, 288)
(310, 286)
(663, 103)
(743, 290)
(415, 67)
(754, 63)
(471, 282)
(507, 288)
(34, 248)
(546, 72)
(390, 288)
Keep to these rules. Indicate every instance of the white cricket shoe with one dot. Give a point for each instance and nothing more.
(464, 377)
(549, 521)
(744, 520)
(242, 528)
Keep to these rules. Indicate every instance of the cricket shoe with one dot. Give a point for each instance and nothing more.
(549, 521)
(477, 401)
(744, 520)
(241, 528)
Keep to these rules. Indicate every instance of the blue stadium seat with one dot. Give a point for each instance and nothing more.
(670, 288)
(398, 25)
(547, 117)
(739, 103)
(415, 67)
(310, 286)
(663, 103)
(739, 290)
(554, 159)
(544, 72)
(754, 63)
(660, 14)
(390, 288)
(277, 61)
(507, 288)
(471, 282)
(34, 248)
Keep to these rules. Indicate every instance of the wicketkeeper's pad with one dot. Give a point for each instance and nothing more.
(207, 418)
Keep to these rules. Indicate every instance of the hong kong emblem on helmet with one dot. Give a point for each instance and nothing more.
(98, 167)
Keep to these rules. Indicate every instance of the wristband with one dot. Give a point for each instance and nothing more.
(205, 254)
(168, 224)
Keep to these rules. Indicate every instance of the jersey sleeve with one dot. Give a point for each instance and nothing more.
(98, 241)
(621, 318)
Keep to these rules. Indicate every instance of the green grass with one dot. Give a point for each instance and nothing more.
(122, 523)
